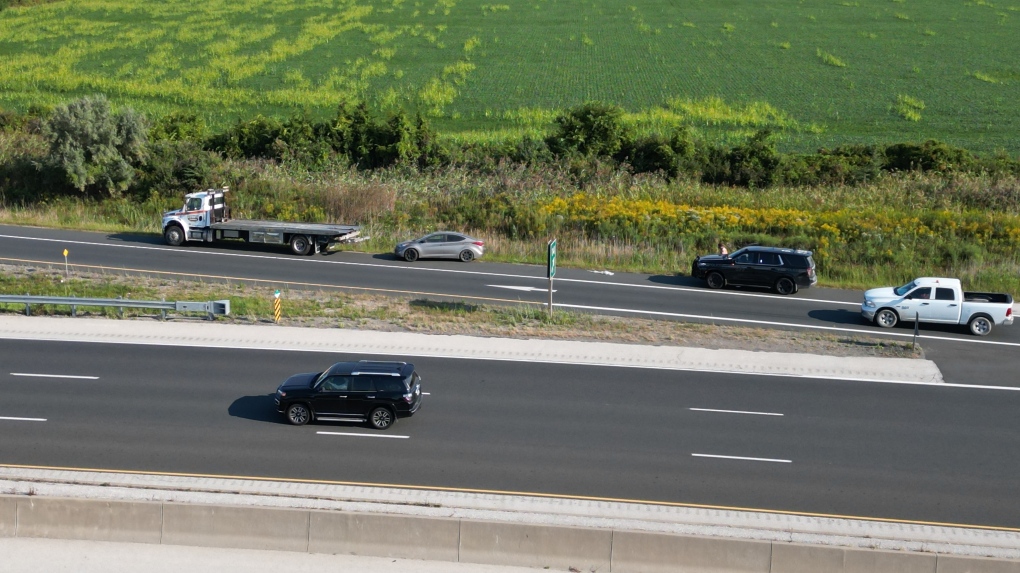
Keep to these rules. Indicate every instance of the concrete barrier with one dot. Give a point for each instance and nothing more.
(236, 527)
(876, 561)
(384, 536)
(8, 517)
(951, 564)
(637, 552)
(92, 520)
(461, 540)
(794, 558)
(535, 545)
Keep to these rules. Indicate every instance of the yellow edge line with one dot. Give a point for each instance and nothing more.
(268, 281)
(523, 493)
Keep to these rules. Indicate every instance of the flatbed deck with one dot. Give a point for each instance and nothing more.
(284, 227)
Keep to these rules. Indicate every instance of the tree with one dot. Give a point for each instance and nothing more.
(95, 148)
(593, 129)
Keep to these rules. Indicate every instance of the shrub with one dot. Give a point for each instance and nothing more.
(931, 155)
(176, 166)
(93, 147)
(178, 126)
(593, 129)
(248, 139)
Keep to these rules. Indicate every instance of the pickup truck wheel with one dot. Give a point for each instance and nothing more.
(886, 318)
(467, 255)
(715, 280)
(980, 325)
(381, 418)
(174, 235)
(300, 245)
(785, 286)
(410, 255)
(298, 414)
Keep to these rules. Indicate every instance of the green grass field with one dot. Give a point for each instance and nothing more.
(824, 72)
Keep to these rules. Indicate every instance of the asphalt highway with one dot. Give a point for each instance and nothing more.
(991, 360)
(920, 453)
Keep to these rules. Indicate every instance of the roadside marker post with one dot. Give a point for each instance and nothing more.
(276, 307)
(551, 271)
(66, 275)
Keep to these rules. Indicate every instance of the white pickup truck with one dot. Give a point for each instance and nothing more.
(937, 300)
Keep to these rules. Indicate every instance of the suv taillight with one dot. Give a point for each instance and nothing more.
(408, 397)
(810, 272)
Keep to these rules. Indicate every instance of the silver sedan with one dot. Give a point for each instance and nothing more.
(441, 245)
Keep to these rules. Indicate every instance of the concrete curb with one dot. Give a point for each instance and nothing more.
(271, 337)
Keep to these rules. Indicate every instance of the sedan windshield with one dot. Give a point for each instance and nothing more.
(900, 291)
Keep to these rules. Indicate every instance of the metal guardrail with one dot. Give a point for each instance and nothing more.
(212, 308)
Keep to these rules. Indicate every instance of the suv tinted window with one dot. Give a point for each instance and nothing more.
(362, 384)
(771, 259)
(389, 384)
(335, 384)
(798, 261)
(745, 258)
(944, 294)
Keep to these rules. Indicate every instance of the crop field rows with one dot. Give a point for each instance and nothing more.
(823, 72)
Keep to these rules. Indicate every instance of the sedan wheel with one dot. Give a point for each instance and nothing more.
(467, 255)
(298, 414)
(410, 255)
(381, 418)
(886, 318)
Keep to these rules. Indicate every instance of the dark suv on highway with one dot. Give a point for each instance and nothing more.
(365, 391)
(783, 270)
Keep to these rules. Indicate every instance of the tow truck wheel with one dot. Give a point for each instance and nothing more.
(173, 235)
(300, 245)
(980, 326)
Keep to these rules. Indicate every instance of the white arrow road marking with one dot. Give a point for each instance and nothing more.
(742, 458)
(523, 288)
(55, 376)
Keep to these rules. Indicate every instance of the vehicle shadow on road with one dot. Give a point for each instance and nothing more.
(839, 316)
(260, 408)
(150, 239)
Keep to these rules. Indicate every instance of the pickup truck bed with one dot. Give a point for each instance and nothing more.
(997, 297)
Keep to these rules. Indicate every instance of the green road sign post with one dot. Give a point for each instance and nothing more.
(551, 271)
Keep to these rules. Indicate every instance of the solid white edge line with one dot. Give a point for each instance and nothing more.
(363, 435)
(183, 344)
(24, 374)
(734, 412)
(428, 269)
(743, 458)
(22, 419)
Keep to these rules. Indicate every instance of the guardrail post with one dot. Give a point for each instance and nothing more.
(162, 311)
(74, 308)
(120, 309)
(28, 307)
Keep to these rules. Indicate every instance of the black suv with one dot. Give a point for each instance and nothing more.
(376, 392)
(783, 270)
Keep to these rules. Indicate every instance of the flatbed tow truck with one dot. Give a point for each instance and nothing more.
(205, 217)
